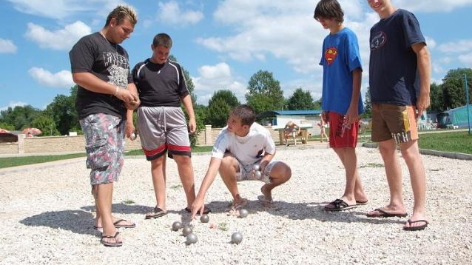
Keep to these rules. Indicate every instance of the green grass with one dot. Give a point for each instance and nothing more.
(196, 149)
(29, 160)
(456, 142)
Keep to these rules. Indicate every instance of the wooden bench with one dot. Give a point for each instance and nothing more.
(303, 135)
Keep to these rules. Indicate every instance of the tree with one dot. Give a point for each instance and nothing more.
(62, 110)
(264, 92)
(437, 98)
(46, 124)
(367, 105)
(300, 100)
(20, 116)
(453, 87)
(219, 106)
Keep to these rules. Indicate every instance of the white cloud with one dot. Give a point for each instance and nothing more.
(60, 9)
(456, 47)
(7, 46)
(62, 79)
(282, 30)
(432, 5)
(466, 59)
(216, 77)
(171, 13)
(62, 39)
(13, 104)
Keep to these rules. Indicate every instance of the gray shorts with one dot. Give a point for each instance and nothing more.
(161, 129)
(104, 144)
(246, 172)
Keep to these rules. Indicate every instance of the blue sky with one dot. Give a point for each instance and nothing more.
(221, 43)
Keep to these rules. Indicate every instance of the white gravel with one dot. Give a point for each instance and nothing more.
(46, 216)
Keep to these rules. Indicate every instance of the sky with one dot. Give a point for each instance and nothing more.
(221, 43)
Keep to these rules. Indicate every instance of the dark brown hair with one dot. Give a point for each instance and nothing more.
(245, 113)
(329, 9)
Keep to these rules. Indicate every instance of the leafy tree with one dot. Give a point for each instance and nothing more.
(20, 116)
(63, 112)
(453, 87)
(301, 100)
(317, 104)
(219, 106)
(437, 98)
(264, 92)
(7, 126)
(367, 105)
(46, 124)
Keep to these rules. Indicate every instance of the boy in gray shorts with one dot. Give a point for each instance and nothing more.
(161, 122)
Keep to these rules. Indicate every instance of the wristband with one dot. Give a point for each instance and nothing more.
(116, 91)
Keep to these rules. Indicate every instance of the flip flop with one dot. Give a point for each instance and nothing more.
(383, 213)
(415, 228)
(339, 205)
(111, 244)
(155, 213)
(362, 202)
(116, 224)
(205, 211)
(239, 205)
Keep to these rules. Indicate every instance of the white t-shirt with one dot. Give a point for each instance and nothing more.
(248, 149)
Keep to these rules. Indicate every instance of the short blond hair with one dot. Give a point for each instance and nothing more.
(120, 13)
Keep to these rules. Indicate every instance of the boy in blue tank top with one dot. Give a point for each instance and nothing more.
(341, 100)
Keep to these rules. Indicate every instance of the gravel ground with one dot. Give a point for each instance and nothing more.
(46, 216)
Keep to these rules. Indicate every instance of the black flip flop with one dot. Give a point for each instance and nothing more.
(110, 244)
(205, 211)
(156, 213)
(416, 228)
(385, 214)
(339, 205)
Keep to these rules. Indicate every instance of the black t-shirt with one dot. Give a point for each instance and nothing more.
(160, 84)
(108, 61)
(393, 74)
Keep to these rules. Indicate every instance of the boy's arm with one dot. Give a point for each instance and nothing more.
(187, 101)
(424, 68)
(198, 204)
(352, 114)
(265, 161)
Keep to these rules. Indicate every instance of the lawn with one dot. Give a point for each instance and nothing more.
(456, 142)
(29, 160)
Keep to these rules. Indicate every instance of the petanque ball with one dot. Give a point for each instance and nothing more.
(133, 136)
(258, 174)
(256, 167)
(236, 238)
(187, 230)
(243, 213)
(176, 226)
(191, 239)
(204, 218)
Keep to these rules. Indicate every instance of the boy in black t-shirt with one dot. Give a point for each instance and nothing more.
(100, 68)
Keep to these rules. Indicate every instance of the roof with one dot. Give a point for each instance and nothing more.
(274, 113)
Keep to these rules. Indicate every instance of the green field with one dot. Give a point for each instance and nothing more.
(457, 142)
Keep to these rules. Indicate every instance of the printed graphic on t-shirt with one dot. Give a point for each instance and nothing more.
(378, 40)
(330, 55)
(117, 65)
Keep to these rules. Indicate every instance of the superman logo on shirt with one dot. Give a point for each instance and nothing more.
(330, 55)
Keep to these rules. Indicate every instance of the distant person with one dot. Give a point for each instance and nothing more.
(291, 129)
(399, 81)
(100, 68)
(322, 126)
(240, 146)
(161, 122)
(341, 100)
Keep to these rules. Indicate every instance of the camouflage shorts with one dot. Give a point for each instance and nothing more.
(104, 143)
(246, 172)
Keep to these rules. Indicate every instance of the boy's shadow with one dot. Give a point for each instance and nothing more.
(302, 211)
(77, 221)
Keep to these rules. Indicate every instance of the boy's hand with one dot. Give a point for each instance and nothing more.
(352, 115)
(197, 206)
(130, 129)
(192, 126)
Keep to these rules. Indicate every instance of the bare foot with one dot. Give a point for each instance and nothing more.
(416, 222)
